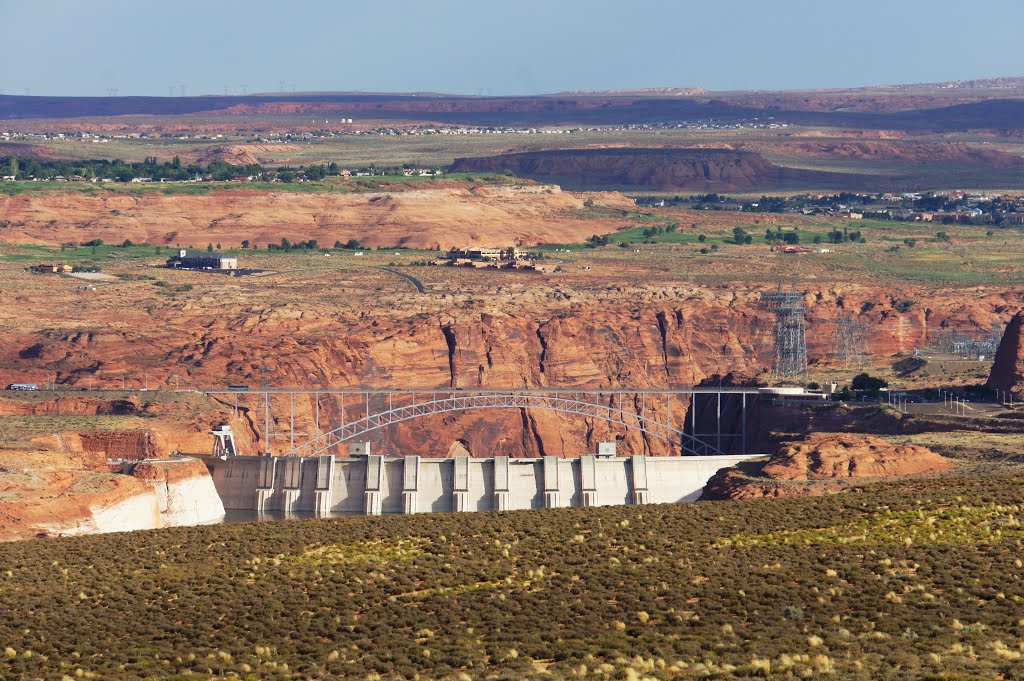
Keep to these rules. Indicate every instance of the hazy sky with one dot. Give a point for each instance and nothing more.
(143, 47)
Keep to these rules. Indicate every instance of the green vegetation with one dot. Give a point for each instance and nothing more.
(328, 184)
(918, 579)
(866, 384)
(121, 171)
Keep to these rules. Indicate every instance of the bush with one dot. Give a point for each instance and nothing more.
(867, 384)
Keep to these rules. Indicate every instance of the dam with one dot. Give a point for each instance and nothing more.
(373, 484)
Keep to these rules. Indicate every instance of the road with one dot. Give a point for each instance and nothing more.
(408, 277)
(970, 409)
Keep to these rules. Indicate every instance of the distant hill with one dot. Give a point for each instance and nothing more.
(696, 170)
(864, 110)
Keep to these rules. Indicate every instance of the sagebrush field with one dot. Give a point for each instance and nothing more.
(920, 578)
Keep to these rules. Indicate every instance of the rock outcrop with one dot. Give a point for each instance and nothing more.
(63, 483)
(45, 495)
(1008, 368)
(823, 463)
(126, 508)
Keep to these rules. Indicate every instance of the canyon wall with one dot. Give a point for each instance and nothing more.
(644, 338)
(54, 493)
(120, 505)
(184, 491)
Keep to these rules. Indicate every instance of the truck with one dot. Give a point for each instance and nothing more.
(22, 386)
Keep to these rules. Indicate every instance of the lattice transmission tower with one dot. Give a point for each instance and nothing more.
(790, 359)
(850, 346)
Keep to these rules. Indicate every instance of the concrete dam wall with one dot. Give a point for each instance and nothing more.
(373, 485)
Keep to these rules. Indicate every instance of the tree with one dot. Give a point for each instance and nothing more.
(740, 236)
(351, 244)
(14, 167)
(867, 384)
(209, 248)
(218, 245)
(701, 238)
(245, 244)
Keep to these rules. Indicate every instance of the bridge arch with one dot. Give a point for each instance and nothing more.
(587, 404)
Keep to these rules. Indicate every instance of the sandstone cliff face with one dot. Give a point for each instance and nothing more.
(184, 491)
(823, 463)
(640, 337)
(443, 217)
(47, 495)
(61, 484)
(1008, 369)
(46, 500)
(128, 511)
(68, 405)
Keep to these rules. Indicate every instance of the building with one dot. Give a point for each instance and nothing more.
(53, 269)
(510, 254)
(213, 261)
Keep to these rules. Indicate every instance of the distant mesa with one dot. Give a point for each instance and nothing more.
(666, 169)
(937, 110)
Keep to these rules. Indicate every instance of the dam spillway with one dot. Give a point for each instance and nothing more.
(373, 485)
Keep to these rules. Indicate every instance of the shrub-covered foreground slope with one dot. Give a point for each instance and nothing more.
(913, 579)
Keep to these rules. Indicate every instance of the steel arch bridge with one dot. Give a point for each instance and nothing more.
(644, 410)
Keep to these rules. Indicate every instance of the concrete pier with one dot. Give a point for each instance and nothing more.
(374, 504)
(374, 484)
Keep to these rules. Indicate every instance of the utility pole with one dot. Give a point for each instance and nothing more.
(790, 357)
(849, 345)
(266, 406)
